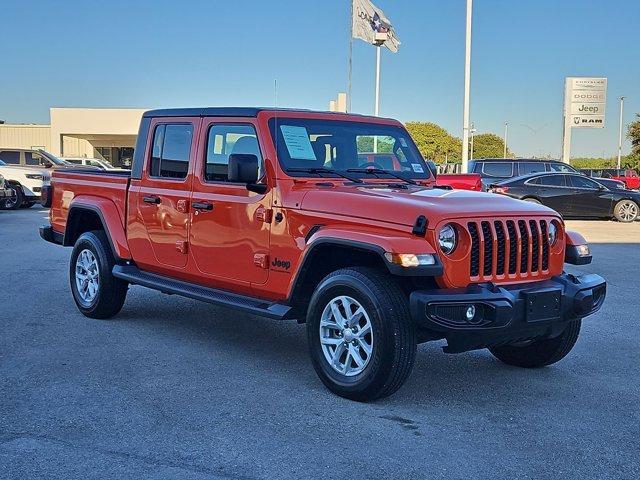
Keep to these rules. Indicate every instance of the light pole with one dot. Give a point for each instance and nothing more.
(506, 131)
(467, 85)
(620, 132)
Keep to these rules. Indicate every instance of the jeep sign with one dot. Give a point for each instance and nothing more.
(585, 101)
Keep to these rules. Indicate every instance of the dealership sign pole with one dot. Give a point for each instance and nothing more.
(585, 100)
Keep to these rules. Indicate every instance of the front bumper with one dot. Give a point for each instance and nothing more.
(506, 313)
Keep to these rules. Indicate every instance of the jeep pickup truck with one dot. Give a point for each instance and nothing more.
(276, 213)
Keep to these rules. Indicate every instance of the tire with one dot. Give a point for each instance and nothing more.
(540, 353)
(532, 200)
(626, 211)
(109, 293)
(392, 337)
(16, 201)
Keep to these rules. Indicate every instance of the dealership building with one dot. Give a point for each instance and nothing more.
(108, 133)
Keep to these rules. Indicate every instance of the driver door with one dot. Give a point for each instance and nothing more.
(589, 198)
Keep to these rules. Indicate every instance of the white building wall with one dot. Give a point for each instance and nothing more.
(25, 136)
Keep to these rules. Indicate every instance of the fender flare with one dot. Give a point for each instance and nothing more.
(372, 242)
(111, 221)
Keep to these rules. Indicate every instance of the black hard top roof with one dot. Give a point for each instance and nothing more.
(230, 112)
(514, 160)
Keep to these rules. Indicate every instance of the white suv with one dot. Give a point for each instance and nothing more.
(27, 183)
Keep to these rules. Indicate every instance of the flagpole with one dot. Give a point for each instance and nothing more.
(350, 56)
(376, 105)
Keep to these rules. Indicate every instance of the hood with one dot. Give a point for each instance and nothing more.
(402, 206)
(23, 169)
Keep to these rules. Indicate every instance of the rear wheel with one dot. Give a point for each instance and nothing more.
(97, 293)
(626, 211)
(540, 353)
(361, 338)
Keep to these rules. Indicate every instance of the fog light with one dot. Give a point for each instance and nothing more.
(471, 312)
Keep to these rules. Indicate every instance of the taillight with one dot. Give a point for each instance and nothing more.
(46, 196)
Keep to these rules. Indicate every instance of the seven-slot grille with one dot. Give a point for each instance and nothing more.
(513, 247)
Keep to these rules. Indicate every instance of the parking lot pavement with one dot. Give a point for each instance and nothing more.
(606, 231)
(177, 389)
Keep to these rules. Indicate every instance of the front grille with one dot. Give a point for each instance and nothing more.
(508, 247)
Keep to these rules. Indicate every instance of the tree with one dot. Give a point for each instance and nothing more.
(488, 145)
(633, 134)
(434, 142)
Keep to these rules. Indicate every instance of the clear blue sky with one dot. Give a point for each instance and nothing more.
(116, 53)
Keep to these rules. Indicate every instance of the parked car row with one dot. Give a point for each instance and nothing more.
(26, 172)
(627, 176)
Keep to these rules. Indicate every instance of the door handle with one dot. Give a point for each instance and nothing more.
(202, 205)
(151, 199)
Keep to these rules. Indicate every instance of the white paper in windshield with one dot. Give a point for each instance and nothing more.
(298, 143)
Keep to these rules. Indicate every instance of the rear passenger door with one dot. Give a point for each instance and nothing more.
(230, 225)
(163, 196)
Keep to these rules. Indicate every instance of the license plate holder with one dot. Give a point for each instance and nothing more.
(543, 305)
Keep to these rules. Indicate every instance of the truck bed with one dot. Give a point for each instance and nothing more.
(70, 185)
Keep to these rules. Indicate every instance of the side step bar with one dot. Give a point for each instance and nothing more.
(244, 303)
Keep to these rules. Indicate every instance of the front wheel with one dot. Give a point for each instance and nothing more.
(15, 200)
(540, 353)
(361, 338)
(97, 293)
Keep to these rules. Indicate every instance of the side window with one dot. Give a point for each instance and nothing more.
(583, 182)
(498, 169)
(224, 140)
(559, 167)
(530, 167)
(10, 158)
(553, 181)
(171, 149)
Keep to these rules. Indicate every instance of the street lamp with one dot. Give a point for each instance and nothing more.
(506, 131)
(467, 85)
(472, 133)
(620, 133)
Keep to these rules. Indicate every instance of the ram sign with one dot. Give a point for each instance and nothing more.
(585, 101)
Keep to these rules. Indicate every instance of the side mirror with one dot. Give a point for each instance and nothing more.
(243, 168)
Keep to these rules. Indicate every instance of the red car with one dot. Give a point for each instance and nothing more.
(277, 213)
(627, 176)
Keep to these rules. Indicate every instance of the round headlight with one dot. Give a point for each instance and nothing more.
(447, 239)
(552, 234)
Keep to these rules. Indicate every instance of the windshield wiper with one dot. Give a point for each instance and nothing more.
(378, 171)
(320, 170)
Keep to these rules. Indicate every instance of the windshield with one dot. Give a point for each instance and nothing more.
(343, 146)
(55, 160)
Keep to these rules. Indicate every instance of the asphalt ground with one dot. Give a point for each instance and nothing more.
(173, 388)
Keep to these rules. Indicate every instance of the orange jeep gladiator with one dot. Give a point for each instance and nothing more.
(292, 214)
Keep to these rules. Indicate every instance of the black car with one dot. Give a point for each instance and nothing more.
(573, 195)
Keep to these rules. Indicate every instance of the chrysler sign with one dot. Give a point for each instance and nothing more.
(585, 101)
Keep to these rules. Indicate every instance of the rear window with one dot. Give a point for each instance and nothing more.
(531, 167)
(171, 149)
(498, 169)
(10, 158)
